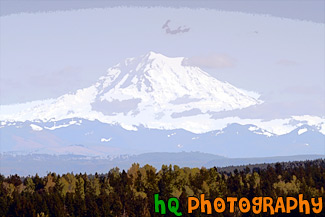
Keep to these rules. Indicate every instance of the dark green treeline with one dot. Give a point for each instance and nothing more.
(131, 193)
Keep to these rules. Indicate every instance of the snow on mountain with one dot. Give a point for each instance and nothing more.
(147, 88)
(260, 131)
(156, 83)
(301, 131)
(157, 92)
(36, 127)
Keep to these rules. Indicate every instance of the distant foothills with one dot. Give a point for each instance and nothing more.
(25, 165)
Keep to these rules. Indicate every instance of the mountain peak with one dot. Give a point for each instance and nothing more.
(153, 55)
(157, 82)
(151, 90)
(159, 59)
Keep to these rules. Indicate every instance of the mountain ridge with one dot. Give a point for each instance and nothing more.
(42, 164)
(94, 138)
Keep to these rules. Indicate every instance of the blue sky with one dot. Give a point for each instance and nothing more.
(261, 47)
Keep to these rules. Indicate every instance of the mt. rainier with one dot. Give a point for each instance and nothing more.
(152, 90)
(157, 83)
(157, 92)
(154, 98)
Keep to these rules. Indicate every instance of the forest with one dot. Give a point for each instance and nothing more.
(131, 193)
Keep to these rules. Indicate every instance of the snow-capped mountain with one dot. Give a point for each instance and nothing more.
(155, 83)
(154, 98)
(152, 90)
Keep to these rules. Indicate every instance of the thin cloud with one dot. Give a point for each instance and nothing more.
(180, 29)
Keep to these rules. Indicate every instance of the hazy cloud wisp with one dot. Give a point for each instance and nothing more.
(174, 31)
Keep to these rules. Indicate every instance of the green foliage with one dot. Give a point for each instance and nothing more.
(131, 193)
